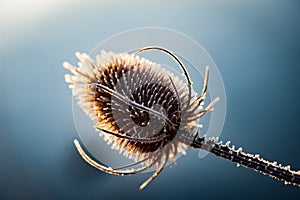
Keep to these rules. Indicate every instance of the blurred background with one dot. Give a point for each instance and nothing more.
(255, 44)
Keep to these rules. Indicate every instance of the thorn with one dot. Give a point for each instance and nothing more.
(240, 149)
(227, 143)
(286, 182)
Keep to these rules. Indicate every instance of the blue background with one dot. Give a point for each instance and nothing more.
(255, 44)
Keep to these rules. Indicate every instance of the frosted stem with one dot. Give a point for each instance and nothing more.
(247, 160)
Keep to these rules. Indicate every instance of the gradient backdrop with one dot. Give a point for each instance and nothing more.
(255, 44)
